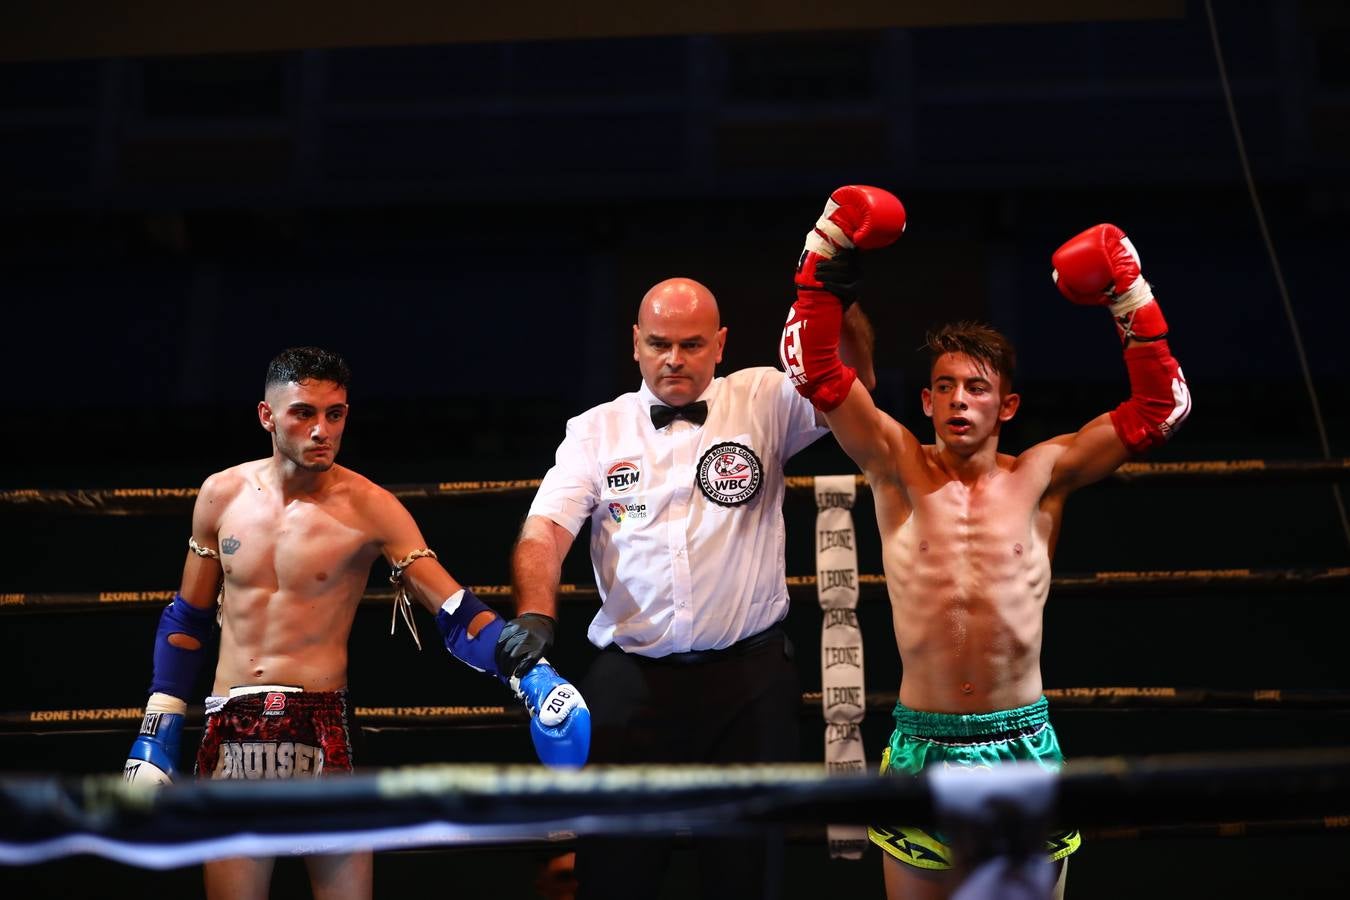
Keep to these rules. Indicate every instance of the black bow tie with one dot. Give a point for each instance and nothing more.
(696, 412)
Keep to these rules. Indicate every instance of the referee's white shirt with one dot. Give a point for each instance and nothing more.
(687, 546)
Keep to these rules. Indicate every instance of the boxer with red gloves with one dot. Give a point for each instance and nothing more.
(968, 532)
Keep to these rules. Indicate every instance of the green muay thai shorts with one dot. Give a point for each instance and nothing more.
(975, 742)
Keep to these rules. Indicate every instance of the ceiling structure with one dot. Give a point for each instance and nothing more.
(74, 29)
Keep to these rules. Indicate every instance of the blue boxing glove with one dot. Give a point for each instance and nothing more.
(154, 754)
(560, 723)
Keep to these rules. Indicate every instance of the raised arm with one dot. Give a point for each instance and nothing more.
(857, 343)
(1100, 267)
(825, 320)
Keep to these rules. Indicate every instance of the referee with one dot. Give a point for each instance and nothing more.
(683, 483)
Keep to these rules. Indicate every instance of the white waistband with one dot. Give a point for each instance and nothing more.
(241, 690)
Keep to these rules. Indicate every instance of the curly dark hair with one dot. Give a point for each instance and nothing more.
(990, 349)
(301, 363)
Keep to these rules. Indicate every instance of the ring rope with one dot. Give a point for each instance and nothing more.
(378, 718)
(45, 817)
(150, 501)
(1332, 579)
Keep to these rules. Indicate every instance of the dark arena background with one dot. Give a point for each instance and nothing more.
(469, 203)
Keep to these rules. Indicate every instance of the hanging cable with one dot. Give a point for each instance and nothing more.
(1274, 262)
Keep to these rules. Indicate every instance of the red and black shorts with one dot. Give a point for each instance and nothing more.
(270, 733)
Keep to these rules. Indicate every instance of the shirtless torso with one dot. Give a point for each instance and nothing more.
(968, 534)
(294, 569)
(294, 537)
(968, 569)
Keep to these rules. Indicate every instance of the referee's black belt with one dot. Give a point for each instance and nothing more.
(745, 646)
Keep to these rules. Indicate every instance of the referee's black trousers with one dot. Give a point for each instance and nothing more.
(741, 704)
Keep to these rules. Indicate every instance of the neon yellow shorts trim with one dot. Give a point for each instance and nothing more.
(925, 850)
(976, 742)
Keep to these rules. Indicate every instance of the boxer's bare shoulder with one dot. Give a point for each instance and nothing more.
(225, 485)
(219, 491)
(383, 515)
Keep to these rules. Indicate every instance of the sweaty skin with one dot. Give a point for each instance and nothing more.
(294, 578)
(967, 534)
(968, 570)
(296, 536)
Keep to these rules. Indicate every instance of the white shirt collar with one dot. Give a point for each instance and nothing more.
(649, 399)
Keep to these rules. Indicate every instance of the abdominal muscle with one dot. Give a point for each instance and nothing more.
(968, 582)
(282, 637)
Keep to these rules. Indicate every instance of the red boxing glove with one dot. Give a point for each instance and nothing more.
(1100, 267)
(855, 217)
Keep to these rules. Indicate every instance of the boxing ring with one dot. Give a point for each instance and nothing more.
(1232, 794)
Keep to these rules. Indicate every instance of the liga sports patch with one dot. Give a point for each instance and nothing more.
(730, 474)
(622, 512)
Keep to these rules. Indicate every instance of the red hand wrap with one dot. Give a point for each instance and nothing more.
(1159, 400)
(809, 349)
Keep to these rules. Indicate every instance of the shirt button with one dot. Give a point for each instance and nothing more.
(680, 552)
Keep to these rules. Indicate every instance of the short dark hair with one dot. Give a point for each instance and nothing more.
(302, 363)
(982, 343)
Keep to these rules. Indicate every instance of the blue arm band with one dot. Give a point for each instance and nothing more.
(176, 669)
(477, 651)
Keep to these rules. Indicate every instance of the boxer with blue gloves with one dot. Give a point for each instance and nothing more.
(286, 543)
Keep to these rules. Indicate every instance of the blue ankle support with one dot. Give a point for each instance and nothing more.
(477, 651)
(176, 669)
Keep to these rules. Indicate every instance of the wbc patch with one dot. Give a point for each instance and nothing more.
(622, 476)
(730, 474)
